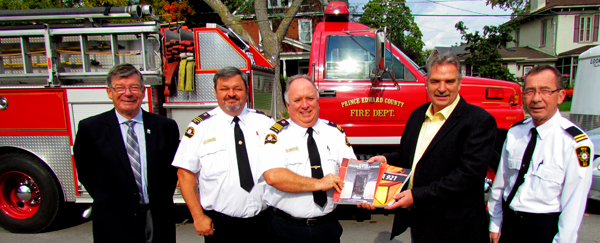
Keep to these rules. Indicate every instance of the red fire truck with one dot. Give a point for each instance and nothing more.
(369, 87)
(52, 75)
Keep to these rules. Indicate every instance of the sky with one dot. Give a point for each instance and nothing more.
(440, 31)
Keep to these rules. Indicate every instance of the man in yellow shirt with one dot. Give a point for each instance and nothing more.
(448, 143)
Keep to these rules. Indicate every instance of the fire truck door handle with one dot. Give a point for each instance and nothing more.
(3, 103)
(327, 93)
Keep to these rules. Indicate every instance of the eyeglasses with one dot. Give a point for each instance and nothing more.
(136, 89)
(543, 92)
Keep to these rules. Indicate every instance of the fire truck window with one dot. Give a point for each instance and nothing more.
(398, 67)
(349, 57)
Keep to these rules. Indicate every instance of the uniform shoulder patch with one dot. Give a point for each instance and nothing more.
(261, 112)
(200, 118)
(271, 138)
(577, 134)
(583, 155)
(278, 126)
(517, 123)
(336, 126)
(189, 132)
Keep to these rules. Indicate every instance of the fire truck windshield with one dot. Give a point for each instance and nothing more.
(352, 57)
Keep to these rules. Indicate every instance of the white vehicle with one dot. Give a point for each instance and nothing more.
(585, 111)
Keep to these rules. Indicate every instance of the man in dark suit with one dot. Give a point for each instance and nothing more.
(448, 143)
(123, 158)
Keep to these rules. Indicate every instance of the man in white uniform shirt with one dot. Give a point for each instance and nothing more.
(300, 160)
(217, 158)
(541, 188)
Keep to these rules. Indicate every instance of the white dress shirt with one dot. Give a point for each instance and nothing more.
(555, 181)
(208, 149)
(291, 152)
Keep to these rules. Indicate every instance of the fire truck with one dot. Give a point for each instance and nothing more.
(369, 87)
(52, 75)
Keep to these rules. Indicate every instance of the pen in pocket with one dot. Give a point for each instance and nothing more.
(539, 165)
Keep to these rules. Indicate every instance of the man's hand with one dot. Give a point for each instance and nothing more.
(403, 200)
(204, 226)
(366, 206)
(379, 158)
(494, 237)
(331, 181)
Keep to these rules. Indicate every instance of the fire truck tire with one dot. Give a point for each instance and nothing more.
(29, 195)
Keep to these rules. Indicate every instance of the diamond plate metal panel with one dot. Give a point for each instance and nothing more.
(55, 151)
(216, 53)
(586, 122)
(204, 91)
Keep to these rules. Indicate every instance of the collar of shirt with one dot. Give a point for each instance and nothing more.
(548, 126)
(138, 118)
(301, 131)
(229, 119)
(445, 113)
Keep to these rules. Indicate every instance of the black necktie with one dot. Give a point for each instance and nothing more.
(524, 165)
(246, 180)
(320, 197)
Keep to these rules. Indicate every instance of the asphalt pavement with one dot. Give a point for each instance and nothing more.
(377, 228)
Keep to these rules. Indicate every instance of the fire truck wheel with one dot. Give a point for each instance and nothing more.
(29, 196)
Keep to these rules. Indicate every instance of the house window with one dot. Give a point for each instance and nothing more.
(585, 28)
(305, 30)
(526, 69)
(544, 33)
(279, 3)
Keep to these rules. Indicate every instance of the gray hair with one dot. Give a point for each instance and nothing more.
(228, 72)
(539, 69)
(445, 58)
(294, 78)
(123, 70)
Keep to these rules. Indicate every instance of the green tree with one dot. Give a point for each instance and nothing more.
(517, 7)
(484, 49)
(396, 16)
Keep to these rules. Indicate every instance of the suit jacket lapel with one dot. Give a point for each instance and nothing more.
(448, 125)
(151, 144)
(412, 140)
(115, 137)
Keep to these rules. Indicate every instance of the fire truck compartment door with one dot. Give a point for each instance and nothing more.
(33, 111)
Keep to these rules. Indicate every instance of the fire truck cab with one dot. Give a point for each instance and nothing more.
(370, 87)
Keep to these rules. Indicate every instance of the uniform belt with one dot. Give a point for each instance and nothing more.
(307, 221)
(530, 215)
(213, 213)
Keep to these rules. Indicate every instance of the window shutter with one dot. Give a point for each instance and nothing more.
(576, 30)
(595, 36)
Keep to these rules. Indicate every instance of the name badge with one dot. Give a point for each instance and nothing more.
(210, 140)
(291, 149)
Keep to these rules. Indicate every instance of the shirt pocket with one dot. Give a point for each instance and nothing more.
(296, 163)
(213, 160)
(547, 183)
(513, 165)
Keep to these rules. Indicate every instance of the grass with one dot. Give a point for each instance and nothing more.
(565, 106)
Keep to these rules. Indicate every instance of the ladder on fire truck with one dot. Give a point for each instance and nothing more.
(44, 52)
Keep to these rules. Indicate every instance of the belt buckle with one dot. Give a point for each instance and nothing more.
(311, 222)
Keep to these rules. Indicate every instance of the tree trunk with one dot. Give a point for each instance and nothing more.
(272, 42)
(229, 19)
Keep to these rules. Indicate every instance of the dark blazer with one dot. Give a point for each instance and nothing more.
(449, 178)
(104, 169)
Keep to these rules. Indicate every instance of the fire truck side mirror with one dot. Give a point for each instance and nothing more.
(379, 67)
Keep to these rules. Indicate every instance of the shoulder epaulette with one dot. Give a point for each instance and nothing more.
(278, 126)
(336, 126)
(577, 134)
(518, 123)
(261, 112)
(200, 118)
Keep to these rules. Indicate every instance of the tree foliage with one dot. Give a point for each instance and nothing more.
(396, 16)
(484, 49)
(517, 7)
